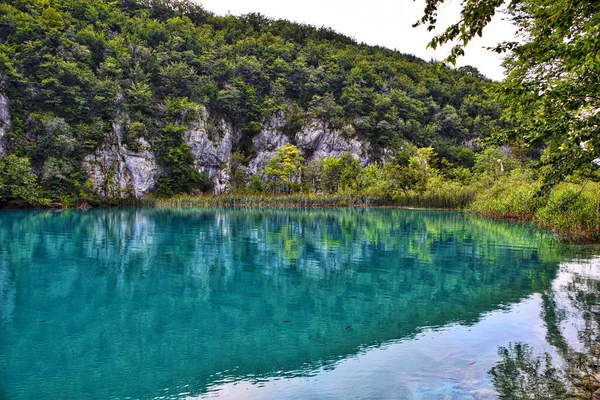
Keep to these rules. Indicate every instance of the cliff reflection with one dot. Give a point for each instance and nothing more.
(169, 298)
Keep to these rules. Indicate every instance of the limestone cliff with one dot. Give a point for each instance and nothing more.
(119, 172)
(4, 121)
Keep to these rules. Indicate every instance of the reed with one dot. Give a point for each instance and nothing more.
(570, 210)
(457, 200)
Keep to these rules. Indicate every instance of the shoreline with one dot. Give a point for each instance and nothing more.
(578, 237)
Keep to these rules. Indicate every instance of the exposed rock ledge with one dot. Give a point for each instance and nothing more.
(4, 122)
(118, 172)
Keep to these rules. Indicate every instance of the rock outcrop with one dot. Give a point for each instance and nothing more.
(4, 122)
(315, 140)
(118, 172)
(211, 156)
(266, 143)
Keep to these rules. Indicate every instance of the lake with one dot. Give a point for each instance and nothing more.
(269, 303)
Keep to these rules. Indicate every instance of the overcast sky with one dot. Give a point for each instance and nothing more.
(380, 22)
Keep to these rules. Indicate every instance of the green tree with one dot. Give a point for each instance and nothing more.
(18, 184)
(339, 173)
(285, 169)
(51, 20)
(255, 185)
(181, 176)
(238, 176)
(493, 163)
(552, 86)
(330, 174)
(420, 168)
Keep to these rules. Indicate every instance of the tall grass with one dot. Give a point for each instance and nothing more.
(430, 199)
(515, 196)
(443, 194)
(571, 210)
(248, 200)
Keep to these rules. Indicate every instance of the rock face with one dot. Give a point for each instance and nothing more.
(266, 143)
(4, 122)
(315, 141)
(142, 168)
(211, 156)
(118, 172)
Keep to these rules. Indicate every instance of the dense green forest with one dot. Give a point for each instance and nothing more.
(77, 76)
(71, 67)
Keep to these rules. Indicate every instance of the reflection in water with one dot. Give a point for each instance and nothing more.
(571, 312)
(166, 302)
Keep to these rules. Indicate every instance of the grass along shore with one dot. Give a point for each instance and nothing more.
(570, 210)
(413, 200)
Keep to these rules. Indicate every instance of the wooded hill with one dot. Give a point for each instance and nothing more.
(71, 68)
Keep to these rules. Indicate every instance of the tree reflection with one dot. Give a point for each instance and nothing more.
(521, 374)
(204, 291)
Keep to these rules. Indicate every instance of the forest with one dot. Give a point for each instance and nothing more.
(438, 136)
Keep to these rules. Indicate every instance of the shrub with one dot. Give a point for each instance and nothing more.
(572, 211)
(514, 196)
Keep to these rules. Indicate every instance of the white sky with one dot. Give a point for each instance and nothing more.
(386, 23)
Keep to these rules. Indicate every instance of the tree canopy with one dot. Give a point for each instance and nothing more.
(72, 68)
(553, 70)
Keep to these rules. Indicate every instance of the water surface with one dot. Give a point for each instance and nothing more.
(267, 303)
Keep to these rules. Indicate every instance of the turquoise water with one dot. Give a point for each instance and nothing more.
(269, 303)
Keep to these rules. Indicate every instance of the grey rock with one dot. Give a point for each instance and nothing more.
(118, 172)
(211, 156)
(142, 168)
(317, 141)
(266, 143)
(4, 122)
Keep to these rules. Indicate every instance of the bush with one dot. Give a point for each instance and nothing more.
(18, 185)
(572, 211)
(515, 196)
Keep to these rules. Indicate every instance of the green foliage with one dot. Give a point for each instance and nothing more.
(521, 375)
(71, 69)
(573, 211)
(181, 176)
(255, 186)
(339, 173)
(284, 169)
(551, 89)
(238, 176)
(514, 195)
(493, 163)
(570, 210)
(18, 184)
(420, 169)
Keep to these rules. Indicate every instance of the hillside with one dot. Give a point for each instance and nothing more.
(130, 98)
